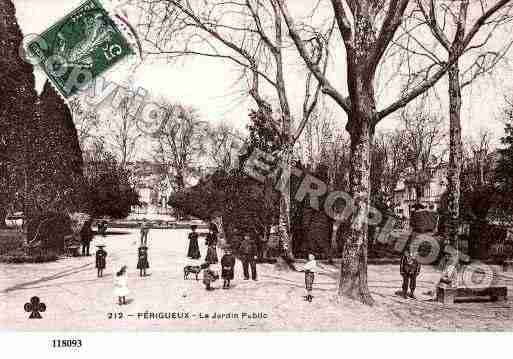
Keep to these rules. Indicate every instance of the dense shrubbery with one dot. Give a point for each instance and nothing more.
(40, 157)
(251, 206)
(22, 256)
(10, 240)
(108, 184)
(48, 230)
(242, 202)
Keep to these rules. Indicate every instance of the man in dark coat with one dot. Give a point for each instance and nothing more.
(145, 230)
(409, 269)
(86, 236)
(227, 266)
(247, 251)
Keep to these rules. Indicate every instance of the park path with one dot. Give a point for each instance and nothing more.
(77, 300)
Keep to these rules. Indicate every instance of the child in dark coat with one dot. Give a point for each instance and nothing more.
(209, 276)
(101, 255)
(227, 266)
(142, 263)
(409, 269)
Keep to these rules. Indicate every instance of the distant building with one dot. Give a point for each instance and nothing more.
(151, 185)
(431, 185)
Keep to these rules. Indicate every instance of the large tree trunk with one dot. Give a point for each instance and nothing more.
(3, 213)
(353, 274)
(455, 155)
(284, 215)
(360, 125)
(333, 242)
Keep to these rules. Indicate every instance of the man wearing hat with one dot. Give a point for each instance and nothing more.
(248, 256)
(86, 236)
(409, 269)
(145, 230)
(101, 255)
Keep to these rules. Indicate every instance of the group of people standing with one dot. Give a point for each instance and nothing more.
(247, 253)
(121, 280)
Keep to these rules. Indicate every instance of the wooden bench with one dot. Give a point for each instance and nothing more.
(447, 294)
(73, 250)
(507, 265)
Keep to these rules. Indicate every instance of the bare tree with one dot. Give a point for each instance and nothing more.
(424, 140)
(123, 133)
(87, 121)
(390, 157)
(248, 35)
(318, 138)
(448, 23)
(367, 28)
(478, 160)
(222, 139)
(180, 145)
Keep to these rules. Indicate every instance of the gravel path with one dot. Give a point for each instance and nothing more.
(77, 300)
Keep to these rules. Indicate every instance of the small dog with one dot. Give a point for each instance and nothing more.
(191, 269)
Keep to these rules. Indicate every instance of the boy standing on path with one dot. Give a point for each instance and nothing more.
(310, 268)
(409, 269)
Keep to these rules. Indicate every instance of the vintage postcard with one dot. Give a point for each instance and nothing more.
(79, 47)
(255, 166)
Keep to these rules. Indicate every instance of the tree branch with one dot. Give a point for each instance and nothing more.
(327, 88)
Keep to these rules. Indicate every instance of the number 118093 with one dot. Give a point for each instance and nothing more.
(66, 343)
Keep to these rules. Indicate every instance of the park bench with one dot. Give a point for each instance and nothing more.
(447, 294)
(507, 265)
(71, 246)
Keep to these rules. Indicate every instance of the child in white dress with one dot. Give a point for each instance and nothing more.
(121, 285)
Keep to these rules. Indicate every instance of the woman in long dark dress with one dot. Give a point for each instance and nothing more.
(211, 242)
(193, 251)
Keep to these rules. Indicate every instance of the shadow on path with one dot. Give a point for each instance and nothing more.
(62, 274)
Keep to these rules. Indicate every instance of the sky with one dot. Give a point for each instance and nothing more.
(209, 84)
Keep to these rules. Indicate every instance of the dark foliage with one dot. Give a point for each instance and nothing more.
(41, 162)
(22, 256)
(109, 188)
(17, 108)
(47, 231)
(504, 170)
(242, 202)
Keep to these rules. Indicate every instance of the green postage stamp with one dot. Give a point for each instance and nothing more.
(80, 47)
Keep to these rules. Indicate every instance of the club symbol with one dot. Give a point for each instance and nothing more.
(34, 307)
